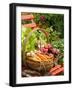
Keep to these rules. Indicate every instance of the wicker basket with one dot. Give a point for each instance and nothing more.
(40, 65)
(37, 65)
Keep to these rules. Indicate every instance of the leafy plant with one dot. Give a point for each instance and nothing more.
(48, 20)
(24, 34)
(33, 40)
(59, 44)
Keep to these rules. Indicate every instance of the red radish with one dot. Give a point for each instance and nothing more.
(58, 51)
(46, 46)
(45, 50)
(51, 55)
(55, 68)
(56, 72)
(54, 50)
(41, 49)
(49, 46)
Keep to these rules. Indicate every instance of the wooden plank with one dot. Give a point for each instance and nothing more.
(27, 17)
(31, 25)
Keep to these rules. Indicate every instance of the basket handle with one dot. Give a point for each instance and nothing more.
(35, 29)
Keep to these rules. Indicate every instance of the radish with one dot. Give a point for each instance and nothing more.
(51, 55)
(46, 46)
(45, 49)
(49, 46)
(58, 51)
(42, 49)
(55, 51)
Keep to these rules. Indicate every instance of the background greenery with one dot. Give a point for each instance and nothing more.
(56, 21)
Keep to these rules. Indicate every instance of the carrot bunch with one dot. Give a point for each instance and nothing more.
(56, 70)
(44, 57)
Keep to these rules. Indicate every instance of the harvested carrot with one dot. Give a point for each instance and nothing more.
(37, 58)
(41, 56)
(48, 57)
(58, 71)
(55, 68)
(27, 17)
(31, 25)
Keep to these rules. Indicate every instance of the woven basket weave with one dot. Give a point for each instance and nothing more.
(42, 65)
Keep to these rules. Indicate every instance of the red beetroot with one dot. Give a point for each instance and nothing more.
(45, 49)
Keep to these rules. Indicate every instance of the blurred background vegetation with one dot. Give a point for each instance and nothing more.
(56, 21)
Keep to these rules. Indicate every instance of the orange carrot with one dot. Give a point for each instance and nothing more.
(41, 56)
(58, 71)
(47, 56)
(55, 68)
(37, 57)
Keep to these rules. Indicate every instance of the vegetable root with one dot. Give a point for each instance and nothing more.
(56, 72)
(55, 68)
